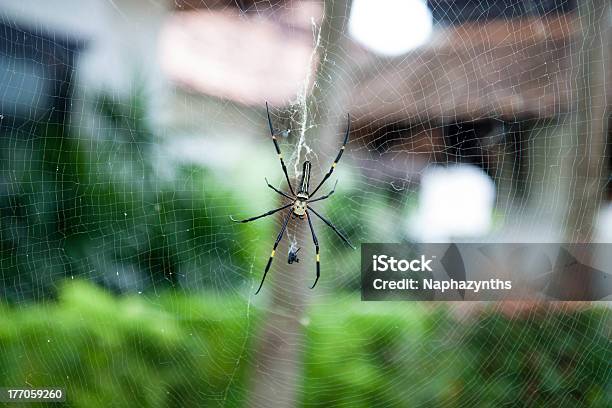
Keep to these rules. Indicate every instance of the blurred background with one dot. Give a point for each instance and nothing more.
(131, 130)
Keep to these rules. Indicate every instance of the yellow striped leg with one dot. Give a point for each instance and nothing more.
(278, 151)
(316, 242)
(278, 239)
(333, 166)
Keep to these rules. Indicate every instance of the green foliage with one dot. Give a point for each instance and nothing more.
(386, 356)
(127, 352)
(95, 205)
(197, 350)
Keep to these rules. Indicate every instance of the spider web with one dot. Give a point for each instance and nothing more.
(128, 140)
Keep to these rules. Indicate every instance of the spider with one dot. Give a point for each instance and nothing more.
(299, 207)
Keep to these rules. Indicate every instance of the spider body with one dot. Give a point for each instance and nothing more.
(299, 207)
(300, 204)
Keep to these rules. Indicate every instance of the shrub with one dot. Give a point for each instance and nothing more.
(189, 350)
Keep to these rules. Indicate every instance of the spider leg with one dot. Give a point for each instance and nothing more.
(316, 243)
(280, 236)
(330, 225)
(262, 215)
(325, 196)
(278, 191)
(278, 151)
(333, 166)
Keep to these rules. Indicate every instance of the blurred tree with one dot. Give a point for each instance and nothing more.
(588, 178)
(277, 365)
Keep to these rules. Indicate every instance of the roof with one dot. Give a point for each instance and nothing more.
(499, 68)
(496, 68)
